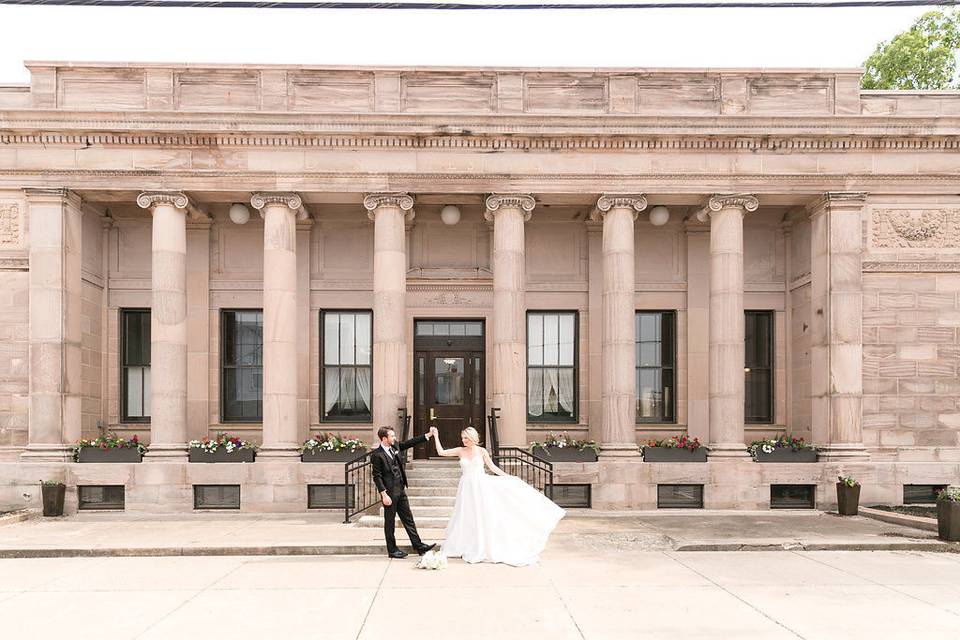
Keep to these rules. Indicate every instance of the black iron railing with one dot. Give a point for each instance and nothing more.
(360, 493)
(519, 462)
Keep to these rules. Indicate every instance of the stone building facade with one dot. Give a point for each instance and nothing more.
(630, 253)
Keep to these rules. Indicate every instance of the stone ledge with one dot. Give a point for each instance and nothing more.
(903, 519)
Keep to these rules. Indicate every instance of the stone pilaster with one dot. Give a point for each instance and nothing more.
(198, 327)
(509, 212)
(726, 213)
(389, 212)
(698, 330)
(280, 350)
(168, 325)
(55, 223)
(618, 348)
(836, 325)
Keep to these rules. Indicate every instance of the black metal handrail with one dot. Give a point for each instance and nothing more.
(360, 493)
(519, 462)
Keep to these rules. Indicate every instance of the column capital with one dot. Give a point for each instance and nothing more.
(261, 200)
(150, 199)
(847, 199)
(401, 200)
(497, 201)
(608, 201)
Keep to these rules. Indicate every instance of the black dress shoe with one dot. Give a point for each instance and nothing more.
(399, 555)
(423, 550)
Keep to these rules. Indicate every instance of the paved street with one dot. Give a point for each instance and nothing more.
(606, 593)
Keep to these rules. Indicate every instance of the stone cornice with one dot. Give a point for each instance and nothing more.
(500, 201)
(893, 266)
(150, 199)
(606, 202)
(833, 199)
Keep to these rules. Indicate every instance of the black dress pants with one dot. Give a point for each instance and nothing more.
(400, 506)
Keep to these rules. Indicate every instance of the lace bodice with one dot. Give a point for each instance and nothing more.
(472, 466)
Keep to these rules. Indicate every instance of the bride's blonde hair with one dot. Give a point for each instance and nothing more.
(471, 434)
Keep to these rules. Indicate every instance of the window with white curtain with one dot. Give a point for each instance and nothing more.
(347, 365)
(551, 366)
(135, 364)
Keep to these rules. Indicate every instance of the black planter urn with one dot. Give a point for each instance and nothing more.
(786, 454)
(115, 454)
(317, 455)
(52, 496)
(674, 454)
(565, 454)
(221, 455)
(948, 520)
(848, 499)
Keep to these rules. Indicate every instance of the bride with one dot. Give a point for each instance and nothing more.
(498, 518)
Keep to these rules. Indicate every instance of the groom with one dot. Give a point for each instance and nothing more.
(391, 481)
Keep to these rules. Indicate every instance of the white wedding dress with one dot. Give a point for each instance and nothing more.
(498, 518)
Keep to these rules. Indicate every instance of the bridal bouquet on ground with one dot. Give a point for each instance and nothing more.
(432, 559)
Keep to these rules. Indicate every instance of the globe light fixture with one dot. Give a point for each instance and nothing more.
(239, 214)
(450, 214)
(659, 215)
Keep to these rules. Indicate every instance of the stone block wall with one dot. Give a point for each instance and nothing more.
(14, 360)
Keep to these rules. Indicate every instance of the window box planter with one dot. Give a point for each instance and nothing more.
(52, 495)
(221, 455)
(948, 514)
(114, 454)
(319, 455)
(848, 499)
(565, 454)
(674, 454)
(788, 455)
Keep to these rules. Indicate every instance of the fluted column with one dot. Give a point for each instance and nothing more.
(726, 213)
(55, 228)
(618, 350)
(389, 212)
(168, 326)
(279, 213)
(508, 214)
(836, 325)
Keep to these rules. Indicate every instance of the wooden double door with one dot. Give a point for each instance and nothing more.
(448, 389)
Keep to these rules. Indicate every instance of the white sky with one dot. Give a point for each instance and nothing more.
(635, 38)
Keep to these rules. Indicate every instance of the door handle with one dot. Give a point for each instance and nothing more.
(433, 414)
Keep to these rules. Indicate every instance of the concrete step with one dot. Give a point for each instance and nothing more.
(438, 472)
(431, 492)
(422, 481)
(422, 523)
(427, 512)
(431, 501)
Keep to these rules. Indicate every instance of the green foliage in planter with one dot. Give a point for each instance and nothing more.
(682, 441)
(782, 441)
(108, 441)
(950, 494)
(563, 441)
(331, 442)
(224, 441)
(849, 481)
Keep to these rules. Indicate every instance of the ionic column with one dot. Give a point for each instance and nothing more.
(389, 212)
(280, 350)
(55, 224)
(508, 214)
(168, 326)
(726, 214)
(618, 350)
(836, 325)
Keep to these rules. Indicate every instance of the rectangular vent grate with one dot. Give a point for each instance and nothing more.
(329, 496)
(216, 496)
(921, 493)
(572, 496)
(793, 496)
(679, 496)
(100, 497)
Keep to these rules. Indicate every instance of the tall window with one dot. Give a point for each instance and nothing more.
(347, 365)
(551, 366)
(758, 366)
(241, 381)
(655, 333)
(135, 364)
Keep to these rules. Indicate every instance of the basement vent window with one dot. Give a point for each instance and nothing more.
(329, 496)
(216, 496)
(679, 496)
(571, 496)
(100, 497)
(921, 493)
(792, 496)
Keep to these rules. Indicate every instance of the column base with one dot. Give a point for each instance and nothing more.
(619, 450)
(278, 452)
(843, 452)
(722, 452)
(47, 453)
(166, 453)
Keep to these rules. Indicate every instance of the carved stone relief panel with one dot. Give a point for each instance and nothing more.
(915, 228)
(11, 226)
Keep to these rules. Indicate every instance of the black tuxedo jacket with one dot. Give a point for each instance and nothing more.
(383, 475)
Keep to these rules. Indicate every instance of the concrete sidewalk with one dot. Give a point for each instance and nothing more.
(322, 533)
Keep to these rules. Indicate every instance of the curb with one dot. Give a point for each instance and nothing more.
(153, 552)
(902, 519)
(933, 546)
